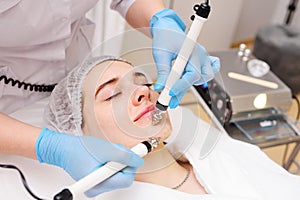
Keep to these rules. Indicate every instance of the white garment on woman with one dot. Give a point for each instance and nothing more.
(41, 41)
(227, 168)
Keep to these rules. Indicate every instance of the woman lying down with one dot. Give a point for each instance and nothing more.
(108, 98)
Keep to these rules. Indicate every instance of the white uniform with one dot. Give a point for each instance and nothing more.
(41, 41)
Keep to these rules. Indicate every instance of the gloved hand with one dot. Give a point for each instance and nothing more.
(167, 30)
(81, 155)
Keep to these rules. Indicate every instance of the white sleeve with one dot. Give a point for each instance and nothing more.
(121, 6)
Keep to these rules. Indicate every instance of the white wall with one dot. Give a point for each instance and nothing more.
(257, 13)
(236, 20)
(296, 19)
(254, 14)
(228, 22)
(219, 30)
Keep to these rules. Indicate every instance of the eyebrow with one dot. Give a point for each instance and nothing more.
(110, 81)
(137, 74)
(114, 80)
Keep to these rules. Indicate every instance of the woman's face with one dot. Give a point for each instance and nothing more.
(124, 103)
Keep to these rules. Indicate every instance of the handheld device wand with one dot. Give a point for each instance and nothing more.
(201, 15)
(104, 172)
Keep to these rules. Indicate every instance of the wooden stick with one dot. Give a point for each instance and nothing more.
(252, 80)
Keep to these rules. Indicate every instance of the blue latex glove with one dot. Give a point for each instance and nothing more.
(167, 30)
(81, 155)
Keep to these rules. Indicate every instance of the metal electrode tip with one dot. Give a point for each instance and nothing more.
(154, 142)
(157, 117)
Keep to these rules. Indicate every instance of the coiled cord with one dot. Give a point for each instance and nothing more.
(27, 86)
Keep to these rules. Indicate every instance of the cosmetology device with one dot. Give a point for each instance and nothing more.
(104, 172)
(201, 14)
(249, 100)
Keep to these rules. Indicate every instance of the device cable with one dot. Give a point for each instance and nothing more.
(7, 166)
(298, 106)
(27, 86)
(291, 10)
(297, 118)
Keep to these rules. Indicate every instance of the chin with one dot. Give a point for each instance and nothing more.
(165, 131)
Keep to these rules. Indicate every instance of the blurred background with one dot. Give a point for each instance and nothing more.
(230, 23)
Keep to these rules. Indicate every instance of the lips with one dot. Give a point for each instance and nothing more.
(145, 113)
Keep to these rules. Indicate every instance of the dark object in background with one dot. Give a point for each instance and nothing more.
(291, 10)
(279, 46)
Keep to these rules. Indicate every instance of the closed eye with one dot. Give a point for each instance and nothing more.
(113, 96)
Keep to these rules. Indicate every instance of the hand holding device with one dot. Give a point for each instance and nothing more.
(170, 42)
(106, 171)
(81, 155)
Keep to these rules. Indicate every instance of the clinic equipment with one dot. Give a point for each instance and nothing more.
(202, 12)
(251, 109)
(258, 68)
(105, 171)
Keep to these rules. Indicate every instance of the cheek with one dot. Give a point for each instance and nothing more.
(105, 121)
(110, 129)
(154, 96)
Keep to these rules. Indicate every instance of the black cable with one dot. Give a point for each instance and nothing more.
(23, 179)
(26, 86)
(297, 118)
(291, 9)
(298, 105)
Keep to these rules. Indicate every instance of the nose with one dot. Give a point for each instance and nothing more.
(141, 94)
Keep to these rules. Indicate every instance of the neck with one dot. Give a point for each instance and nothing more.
(161, 168)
